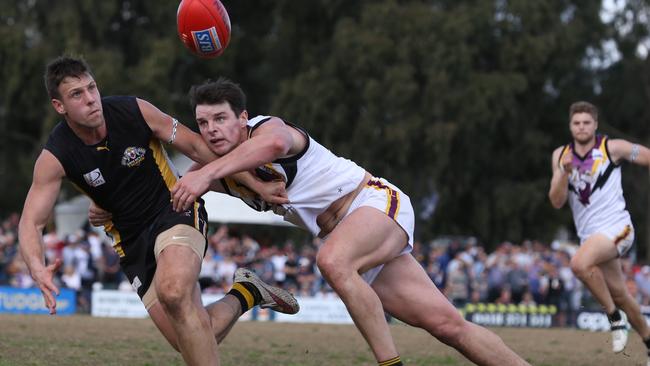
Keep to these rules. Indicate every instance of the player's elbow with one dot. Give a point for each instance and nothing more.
(556, 202)
(279, 146)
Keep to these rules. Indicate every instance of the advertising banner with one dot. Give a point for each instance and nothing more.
(30, 301)
(500, 315)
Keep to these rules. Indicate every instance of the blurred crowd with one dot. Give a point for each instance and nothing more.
(528, 273)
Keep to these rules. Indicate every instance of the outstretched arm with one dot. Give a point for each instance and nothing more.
(48, 174)
(269, 142)
(559, 190)
(271, 192)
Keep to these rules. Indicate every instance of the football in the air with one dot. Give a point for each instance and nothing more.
(203, 26)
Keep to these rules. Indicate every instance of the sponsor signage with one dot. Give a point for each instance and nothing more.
(127, 304)
(30, 301)
(596, 321)
(500, 315)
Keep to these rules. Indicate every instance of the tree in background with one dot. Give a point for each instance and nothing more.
(459, 102)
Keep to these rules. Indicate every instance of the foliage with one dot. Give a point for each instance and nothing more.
(460, 103)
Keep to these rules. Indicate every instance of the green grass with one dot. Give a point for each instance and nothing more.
(84, 340)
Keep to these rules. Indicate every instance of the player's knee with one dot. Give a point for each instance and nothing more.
(580, 268)
(331, 268)
(172, 296)
(449, 330)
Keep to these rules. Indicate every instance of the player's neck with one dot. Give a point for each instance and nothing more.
(582, 148)
(88, 135)
(244, 134)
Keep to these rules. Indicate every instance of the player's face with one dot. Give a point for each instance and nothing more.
(80, 101)
(583, 127)
(220, 128)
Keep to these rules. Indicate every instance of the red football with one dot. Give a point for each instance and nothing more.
(203, 26)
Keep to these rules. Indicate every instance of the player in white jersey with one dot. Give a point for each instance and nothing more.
(588, 174)
(367, 224)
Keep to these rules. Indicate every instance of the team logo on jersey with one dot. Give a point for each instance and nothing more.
(133, 156)
(596, 154)
(94, 178)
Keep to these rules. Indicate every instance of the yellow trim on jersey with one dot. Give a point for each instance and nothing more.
(162, 161)
(566, 150)
(250, 301)
(603, 147)
(109, 227)
(196, 216)
(275, 172)
(241, 190)
(598, 162)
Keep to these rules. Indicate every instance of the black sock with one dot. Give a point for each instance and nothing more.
(614, 317)
(396, 361)
(247, 295)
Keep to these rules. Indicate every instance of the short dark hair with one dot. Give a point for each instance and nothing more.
(60, 68)
(583, 107)
(217, 92)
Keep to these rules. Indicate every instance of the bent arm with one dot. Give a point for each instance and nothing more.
(559, 190)
(268, 143)
(182, 138)
(46, 183)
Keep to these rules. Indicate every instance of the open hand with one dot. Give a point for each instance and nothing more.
(44, 280)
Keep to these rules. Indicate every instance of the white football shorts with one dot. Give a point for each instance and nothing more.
(386, 197)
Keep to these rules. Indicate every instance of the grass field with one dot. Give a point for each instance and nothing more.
(84, 340)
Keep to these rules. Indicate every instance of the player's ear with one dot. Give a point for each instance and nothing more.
(243, 117)
(58, 106)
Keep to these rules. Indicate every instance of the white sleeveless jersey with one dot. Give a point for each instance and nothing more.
(315, 178)
(595, 191)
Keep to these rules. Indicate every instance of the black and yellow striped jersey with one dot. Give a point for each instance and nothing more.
(128, 173)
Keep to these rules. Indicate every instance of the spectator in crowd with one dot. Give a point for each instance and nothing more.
(71, 278)
(291, 267)
(497, 268)
(19, 273)
(531, 257)
(109, 266)
(527, 299)
(434, 267)
(642, 279)
(278, 259)
(517, 279)
(457, 288)
(306, 274)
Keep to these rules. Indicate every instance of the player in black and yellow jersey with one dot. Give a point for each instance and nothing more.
(110, 149)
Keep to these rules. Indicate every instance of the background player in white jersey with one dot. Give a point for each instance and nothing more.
(588, 174)
(367, 224)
